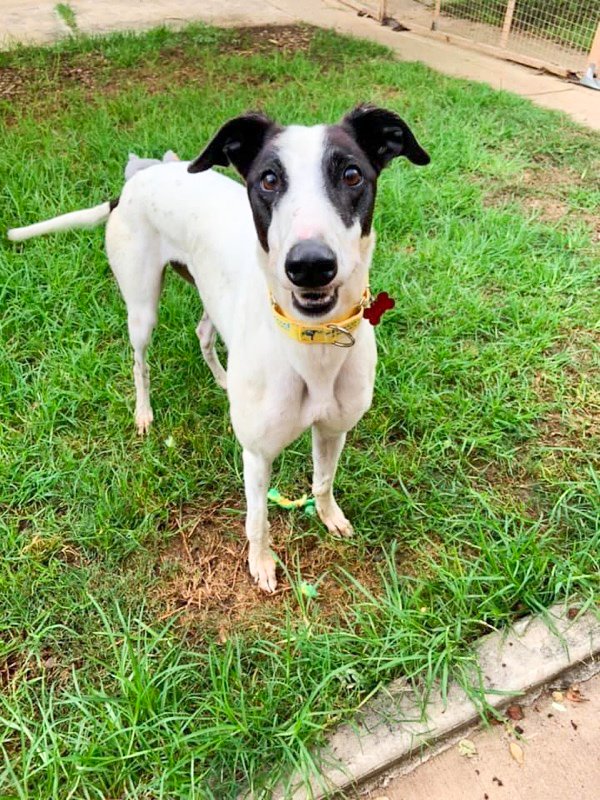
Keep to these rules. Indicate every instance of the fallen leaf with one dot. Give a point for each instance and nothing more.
(557, 697)
(558, 707)
(516, 752)
(514, 712)
(574, 695)
(467, 748)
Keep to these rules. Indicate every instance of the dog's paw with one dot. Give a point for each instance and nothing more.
(262, 569)
(143, 420)
(334, 519)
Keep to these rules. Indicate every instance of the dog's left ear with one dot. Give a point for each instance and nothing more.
(238, 142)
(382, 135)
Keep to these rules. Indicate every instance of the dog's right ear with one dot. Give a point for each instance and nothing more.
(238, 143)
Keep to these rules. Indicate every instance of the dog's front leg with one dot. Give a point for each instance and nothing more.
(257, 474)
(327, 448)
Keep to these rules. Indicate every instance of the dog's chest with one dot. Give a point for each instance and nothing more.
(330, 404)
(324, 407)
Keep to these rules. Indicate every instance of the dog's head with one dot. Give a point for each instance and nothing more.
(312, 193)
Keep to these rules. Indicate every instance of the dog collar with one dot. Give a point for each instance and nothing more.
(337, 332)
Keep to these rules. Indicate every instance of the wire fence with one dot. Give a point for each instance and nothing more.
(563, 35)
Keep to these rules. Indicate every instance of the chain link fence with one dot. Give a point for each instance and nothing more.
(560, 35)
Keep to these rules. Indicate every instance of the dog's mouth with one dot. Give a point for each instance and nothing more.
(315, 303)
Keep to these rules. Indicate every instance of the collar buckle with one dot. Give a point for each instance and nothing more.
(339, 330)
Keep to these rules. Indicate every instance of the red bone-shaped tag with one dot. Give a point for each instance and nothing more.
(382, 303)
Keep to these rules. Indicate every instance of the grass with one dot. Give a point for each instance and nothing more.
(67, 15)
(472, 483)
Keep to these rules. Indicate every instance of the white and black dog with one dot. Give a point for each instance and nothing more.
(283, 279)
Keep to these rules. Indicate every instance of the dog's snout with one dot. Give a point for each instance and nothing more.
(311, 263)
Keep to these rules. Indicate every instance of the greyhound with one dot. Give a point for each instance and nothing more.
(282, 269)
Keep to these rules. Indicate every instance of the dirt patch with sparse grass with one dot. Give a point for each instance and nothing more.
(287, 39)
(170, 66)
(202, 573)
(568, 432)
(544, 191)
(16, 668)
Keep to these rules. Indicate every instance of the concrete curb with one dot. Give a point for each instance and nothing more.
(535, 651)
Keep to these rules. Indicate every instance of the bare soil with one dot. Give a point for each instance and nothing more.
(174, 66)
(544, 190)
(202, 575)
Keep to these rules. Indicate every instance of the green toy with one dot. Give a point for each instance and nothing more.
(305, 502)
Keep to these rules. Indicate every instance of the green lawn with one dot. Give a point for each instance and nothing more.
(472, 483)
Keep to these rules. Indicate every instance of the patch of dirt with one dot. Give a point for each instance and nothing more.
(13, 83)
(10, 667)
(568, 433)
(203, 573)
(577, 425)
(264, 39)
(176, 66)
(515, 489)
(15, 667)
(543, 191)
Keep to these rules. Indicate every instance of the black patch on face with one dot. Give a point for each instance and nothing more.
(263, 201)
(382, 135)
(352, 203)
(244, 142)
(238, 143)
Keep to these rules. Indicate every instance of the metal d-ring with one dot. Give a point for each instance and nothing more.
(338, 328)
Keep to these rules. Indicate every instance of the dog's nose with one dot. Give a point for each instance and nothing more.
(311, 263)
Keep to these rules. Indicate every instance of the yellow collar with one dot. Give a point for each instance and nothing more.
(337, 332)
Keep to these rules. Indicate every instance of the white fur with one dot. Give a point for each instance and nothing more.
(277, 388)
(87, 218)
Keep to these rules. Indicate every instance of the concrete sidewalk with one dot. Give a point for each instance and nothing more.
(558, 756)
(37, 22)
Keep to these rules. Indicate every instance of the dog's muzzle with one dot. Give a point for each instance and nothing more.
(311, 264)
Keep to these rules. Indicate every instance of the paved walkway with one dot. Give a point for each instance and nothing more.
(37, 22)
(558, 756)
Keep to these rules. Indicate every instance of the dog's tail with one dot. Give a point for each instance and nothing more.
(86, 218)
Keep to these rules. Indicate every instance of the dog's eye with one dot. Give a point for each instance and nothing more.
(270, 182)
(352, 176)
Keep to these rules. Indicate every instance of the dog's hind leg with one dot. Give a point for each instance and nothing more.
(207, 335)
(141, 320)
(135, 261)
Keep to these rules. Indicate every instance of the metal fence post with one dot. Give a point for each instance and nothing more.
(436, 14)
(508, 18)
(594, 56)
(589, 78)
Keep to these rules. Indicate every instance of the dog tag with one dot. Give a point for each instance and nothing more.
(382, 303)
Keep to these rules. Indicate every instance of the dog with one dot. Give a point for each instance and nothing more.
(282, 269)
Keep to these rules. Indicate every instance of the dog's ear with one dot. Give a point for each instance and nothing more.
(383, 136)
(238, 142)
